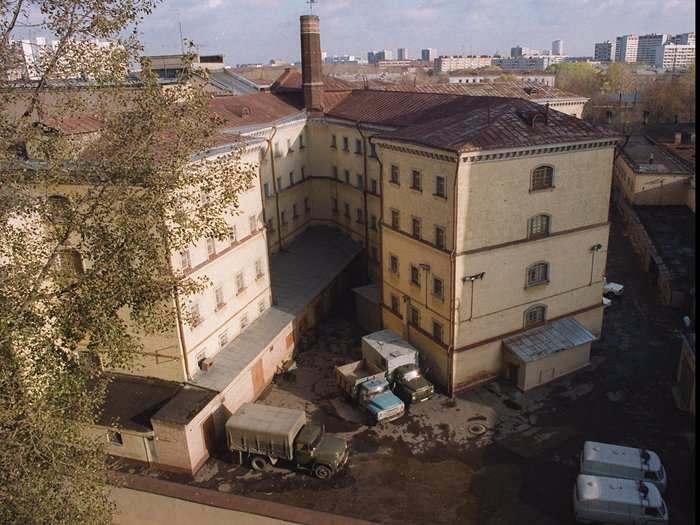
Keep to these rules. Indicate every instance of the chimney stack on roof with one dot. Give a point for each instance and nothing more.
(311, 72)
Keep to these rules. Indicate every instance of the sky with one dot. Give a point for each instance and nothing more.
(248, 31)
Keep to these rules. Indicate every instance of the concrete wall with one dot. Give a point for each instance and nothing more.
(657, 189)
(135, 445)
(542, 371)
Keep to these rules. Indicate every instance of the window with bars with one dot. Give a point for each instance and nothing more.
(359, 181)
(373, 186)
(438, 288)
(303, 172)
(440, 237)
(535, 315)
(538, 273)
(211, 247)
(414, 317)
(438, 331)
(244, 321)
(373, 151)
(223, 340)
(290, 149)
(542, 178)
(266, 187)
(394, 264)
(347, 176)
(240, 283)
(219, 297)
(283, 218)
(334, 172)
(279, 184)
(358, 147)
(394, 174)
(440, 186)
(416, 180)
(360, 216)
(538, 226)
(415, 275)
(334, 142)
(395, 305)
(395, 219)
(415, 227)
(259, 269)
(346, 144)
(373, 223)
(301, 141)
(295, 211)
(185, 260)
(307, 205)
(291, 178)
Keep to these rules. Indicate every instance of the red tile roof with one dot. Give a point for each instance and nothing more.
(290, 80)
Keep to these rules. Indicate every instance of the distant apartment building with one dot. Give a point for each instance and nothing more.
(558, 47)
(626, 48)
(674, 57)
(475, 77)
(445, 64)
(529, 63)
(375, 56)
(647, 47)
(428, 54)
(604, 51)
(402, 53)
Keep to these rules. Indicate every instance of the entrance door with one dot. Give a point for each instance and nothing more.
(258, 377)
(209, 432)
(513, 372)
(546, 374)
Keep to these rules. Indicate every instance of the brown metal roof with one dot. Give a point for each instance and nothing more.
(463, 123)
(543, 341)
(290, 80)
(258, 108)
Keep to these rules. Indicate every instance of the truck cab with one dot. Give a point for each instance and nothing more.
(376, 396)
(410, 385)
(314, 450)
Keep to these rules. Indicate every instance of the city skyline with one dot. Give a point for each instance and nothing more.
(359, 26)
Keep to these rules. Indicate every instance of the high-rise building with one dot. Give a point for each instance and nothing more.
(402, 53)
(647, 47)
(558, 47)
(445, 64)
(604, 51)
(626, 48)
(674, 57)
(374, 57)
(685, 39)
(428, 54)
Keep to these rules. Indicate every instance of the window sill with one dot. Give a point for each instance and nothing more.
(220, 307)
(417, 190)
(538, 236)
(398, 185)
(440, 298)
(241, 291)
(537, 285)
(417, 285)
(541, 190)
(441, 197)
(258, 277)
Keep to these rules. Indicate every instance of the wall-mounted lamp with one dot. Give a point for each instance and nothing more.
(596, 247)
(425, 266)
(472, 278)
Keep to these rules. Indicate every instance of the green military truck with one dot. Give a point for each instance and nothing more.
(264, 434)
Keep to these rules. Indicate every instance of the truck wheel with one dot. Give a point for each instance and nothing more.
(259, 463)
(322, 472)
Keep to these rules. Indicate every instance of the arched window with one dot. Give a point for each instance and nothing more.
(542, 178)
(538, 273)
(538, 226)
(535, 315)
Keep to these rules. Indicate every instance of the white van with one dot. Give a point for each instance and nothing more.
(619, 501)
(614, 461)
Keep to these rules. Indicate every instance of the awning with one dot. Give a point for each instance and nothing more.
(543, 341)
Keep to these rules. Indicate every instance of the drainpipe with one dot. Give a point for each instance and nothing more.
(453, 284)
(274, 184)
(364, 191)
(381, 233)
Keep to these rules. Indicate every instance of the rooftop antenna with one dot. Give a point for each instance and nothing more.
(311, 5)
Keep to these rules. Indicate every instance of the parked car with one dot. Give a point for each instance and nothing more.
(599, 499)
(615, 461)
(387, 351)
(367, 385)
(265, 434)
(610, 289)
(606, 302)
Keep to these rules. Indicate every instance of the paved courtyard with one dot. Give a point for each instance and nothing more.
(428, 468)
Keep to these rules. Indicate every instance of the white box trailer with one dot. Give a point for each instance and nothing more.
(387, 351)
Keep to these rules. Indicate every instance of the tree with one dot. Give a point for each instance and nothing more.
(619, 78)
(578, 77)
(670, 98)
(87, 225)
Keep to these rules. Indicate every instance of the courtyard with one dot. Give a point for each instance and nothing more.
(492, 455)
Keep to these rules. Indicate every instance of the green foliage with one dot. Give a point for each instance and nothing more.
(578, 77)
(88, 223)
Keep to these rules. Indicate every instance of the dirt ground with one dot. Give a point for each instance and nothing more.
(427, 468)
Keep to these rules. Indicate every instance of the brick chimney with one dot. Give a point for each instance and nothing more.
(311, 72)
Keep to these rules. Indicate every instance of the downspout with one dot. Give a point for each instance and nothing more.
(381, 233)
(364, 192)
(262, 202)
(453, 269)
(274, 184)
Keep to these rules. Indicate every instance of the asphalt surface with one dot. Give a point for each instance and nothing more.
(429, 468)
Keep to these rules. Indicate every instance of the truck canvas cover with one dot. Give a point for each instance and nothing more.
(387, 350)
(263, 429)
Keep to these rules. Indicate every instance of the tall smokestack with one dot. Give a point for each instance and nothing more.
(311, 72)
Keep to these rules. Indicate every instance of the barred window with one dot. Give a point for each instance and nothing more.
(394, 264)
(438, 288)
(415, 227)
(542, 178)
(415, 316)
(437, 331)
(440, 237)
(395, 219)
(394, 176)
(395, 305)
(538, 273)
(538, 226)
(535, 315)
(440, 186)
(416, 180)
(415, 275)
